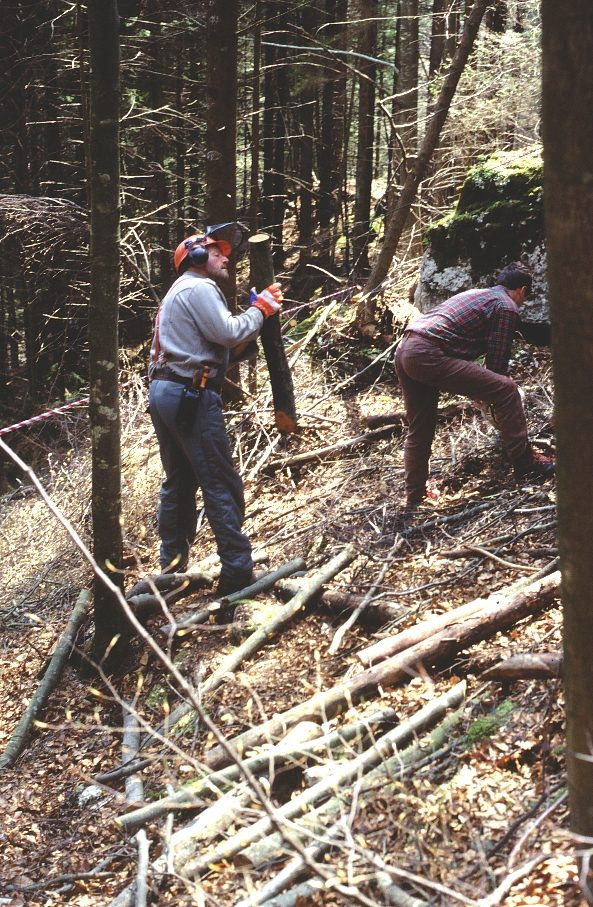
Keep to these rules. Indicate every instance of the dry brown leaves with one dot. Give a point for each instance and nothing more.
(441, 823)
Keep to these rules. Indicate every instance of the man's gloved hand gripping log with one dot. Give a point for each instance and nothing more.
(437, 352)
(195, 334)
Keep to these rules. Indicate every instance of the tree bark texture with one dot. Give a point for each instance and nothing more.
(103, 318)
(220, 200)
(406, 102)
(367, 46)
(261, 276)
(437, 37)
(543, 666)
(568, 196)
(330, 143)
(276, 95)
(393, 230)
(221, 120)
(255, 121)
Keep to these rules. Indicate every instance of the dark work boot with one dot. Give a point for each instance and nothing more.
(177, 565)
(430, 495)
(234, 582)
(533, 465)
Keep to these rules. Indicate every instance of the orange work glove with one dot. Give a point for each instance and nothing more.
(269, 301)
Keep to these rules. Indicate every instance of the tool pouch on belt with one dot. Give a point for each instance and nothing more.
(188, 408)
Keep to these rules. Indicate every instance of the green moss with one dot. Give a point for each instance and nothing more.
(499, 213)
(489, 724)
(157, 696)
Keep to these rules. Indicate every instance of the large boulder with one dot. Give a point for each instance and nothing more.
(499, 218)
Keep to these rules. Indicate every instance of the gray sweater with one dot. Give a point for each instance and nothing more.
(196, 328)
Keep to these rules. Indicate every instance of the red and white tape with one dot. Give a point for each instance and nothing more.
(42, 416)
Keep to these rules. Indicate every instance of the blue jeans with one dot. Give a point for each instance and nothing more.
(198, 458)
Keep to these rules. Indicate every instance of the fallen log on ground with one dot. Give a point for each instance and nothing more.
(213, 820)
(444, 412)
(311, 585)
(298, 459)
(183, 843)
(316, 820)
(543, 666)
(438, 648)
(353, 617)
(292, 871)
(378, 611)
(147, 596)
(290, 752)
(135, 794)
(382, 748)
(59, 659)
(395, 895)
(425, 629)
(262, 584)
(300, 894)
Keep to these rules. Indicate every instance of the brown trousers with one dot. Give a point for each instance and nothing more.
(424, 369)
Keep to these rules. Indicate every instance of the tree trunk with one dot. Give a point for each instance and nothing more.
(220, 200)
(330, 140)
(365, 315)
(367, 46)
(496, 16)
(159, 151)
(437, 38)
(406, 102)
(103, 323)
(221, 151)
(255, 120)
(261, 276)
(274, 132)
(568, 194)
(180, 144)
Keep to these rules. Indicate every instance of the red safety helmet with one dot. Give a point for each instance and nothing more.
(229, 237)
(195, 248)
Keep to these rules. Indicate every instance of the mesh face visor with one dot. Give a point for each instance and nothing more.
(231, 233)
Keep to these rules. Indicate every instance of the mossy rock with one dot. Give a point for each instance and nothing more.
(498, 218)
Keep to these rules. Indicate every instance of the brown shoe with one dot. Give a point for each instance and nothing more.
(533, 465)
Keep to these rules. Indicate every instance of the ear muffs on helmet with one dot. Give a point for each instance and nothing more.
(197, 251)
(190, 251)
(230, 238)
(194, 251)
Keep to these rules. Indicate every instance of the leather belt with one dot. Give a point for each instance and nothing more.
(212, 384)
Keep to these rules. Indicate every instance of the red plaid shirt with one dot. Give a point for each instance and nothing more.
(472, 324)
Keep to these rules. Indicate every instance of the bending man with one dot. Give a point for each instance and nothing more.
(436, 353)
(194, 335)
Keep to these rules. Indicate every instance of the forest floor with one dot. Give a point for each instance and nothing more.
(483, 814)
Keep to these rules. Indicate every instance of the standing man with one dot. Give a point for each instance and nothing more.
(195, 338)
(437, 352)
